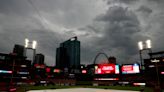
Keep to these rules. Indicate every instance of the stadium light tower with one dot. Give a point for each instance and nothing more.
(144, 46)
(32, 46)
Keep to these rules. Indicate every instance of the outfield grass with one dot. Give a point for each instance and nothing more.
(26, 88)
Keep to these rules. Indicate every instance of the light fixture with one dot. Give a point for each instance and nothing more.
(26, 42)
(148, 44)
(34, 43)
(140, 45)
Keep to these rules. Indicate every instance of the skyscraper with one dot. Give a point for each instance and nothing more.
(19, 50)
(39, 59)
(68, 54)
(61, 58)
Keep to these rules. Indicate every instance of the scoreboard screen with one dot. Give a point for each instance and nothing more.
(130, 69)
(107, 69)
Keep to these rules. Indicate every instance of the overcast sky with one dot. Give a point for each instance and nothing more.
(110, 26)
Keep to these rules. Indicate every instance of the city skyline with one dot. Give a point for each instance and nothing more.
(110, 26)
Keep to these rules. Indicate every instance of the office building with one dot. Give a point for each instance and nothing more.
(68, 54)
(61, 58)
(39, 59)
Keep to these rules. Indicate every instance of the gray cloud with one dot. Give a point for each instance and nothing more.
(145, 9)
(158, 1)
(129, 1)
(122, 1)
(122, 25)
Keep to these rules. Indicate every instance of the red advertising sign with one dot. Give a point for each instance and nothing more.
(127, 68)
(130, 69)
(105, 69)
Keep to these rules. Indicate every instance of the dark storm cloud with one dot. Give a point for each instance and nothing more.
(121, 28)
(129, 1)
(122, 1)
(158, 1)
(118, 14)
(145, 9)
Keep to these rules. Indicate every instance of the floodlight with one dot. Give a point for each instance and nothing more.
(148, 44)
(26, 42)
(34, 43)
(140, 45)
